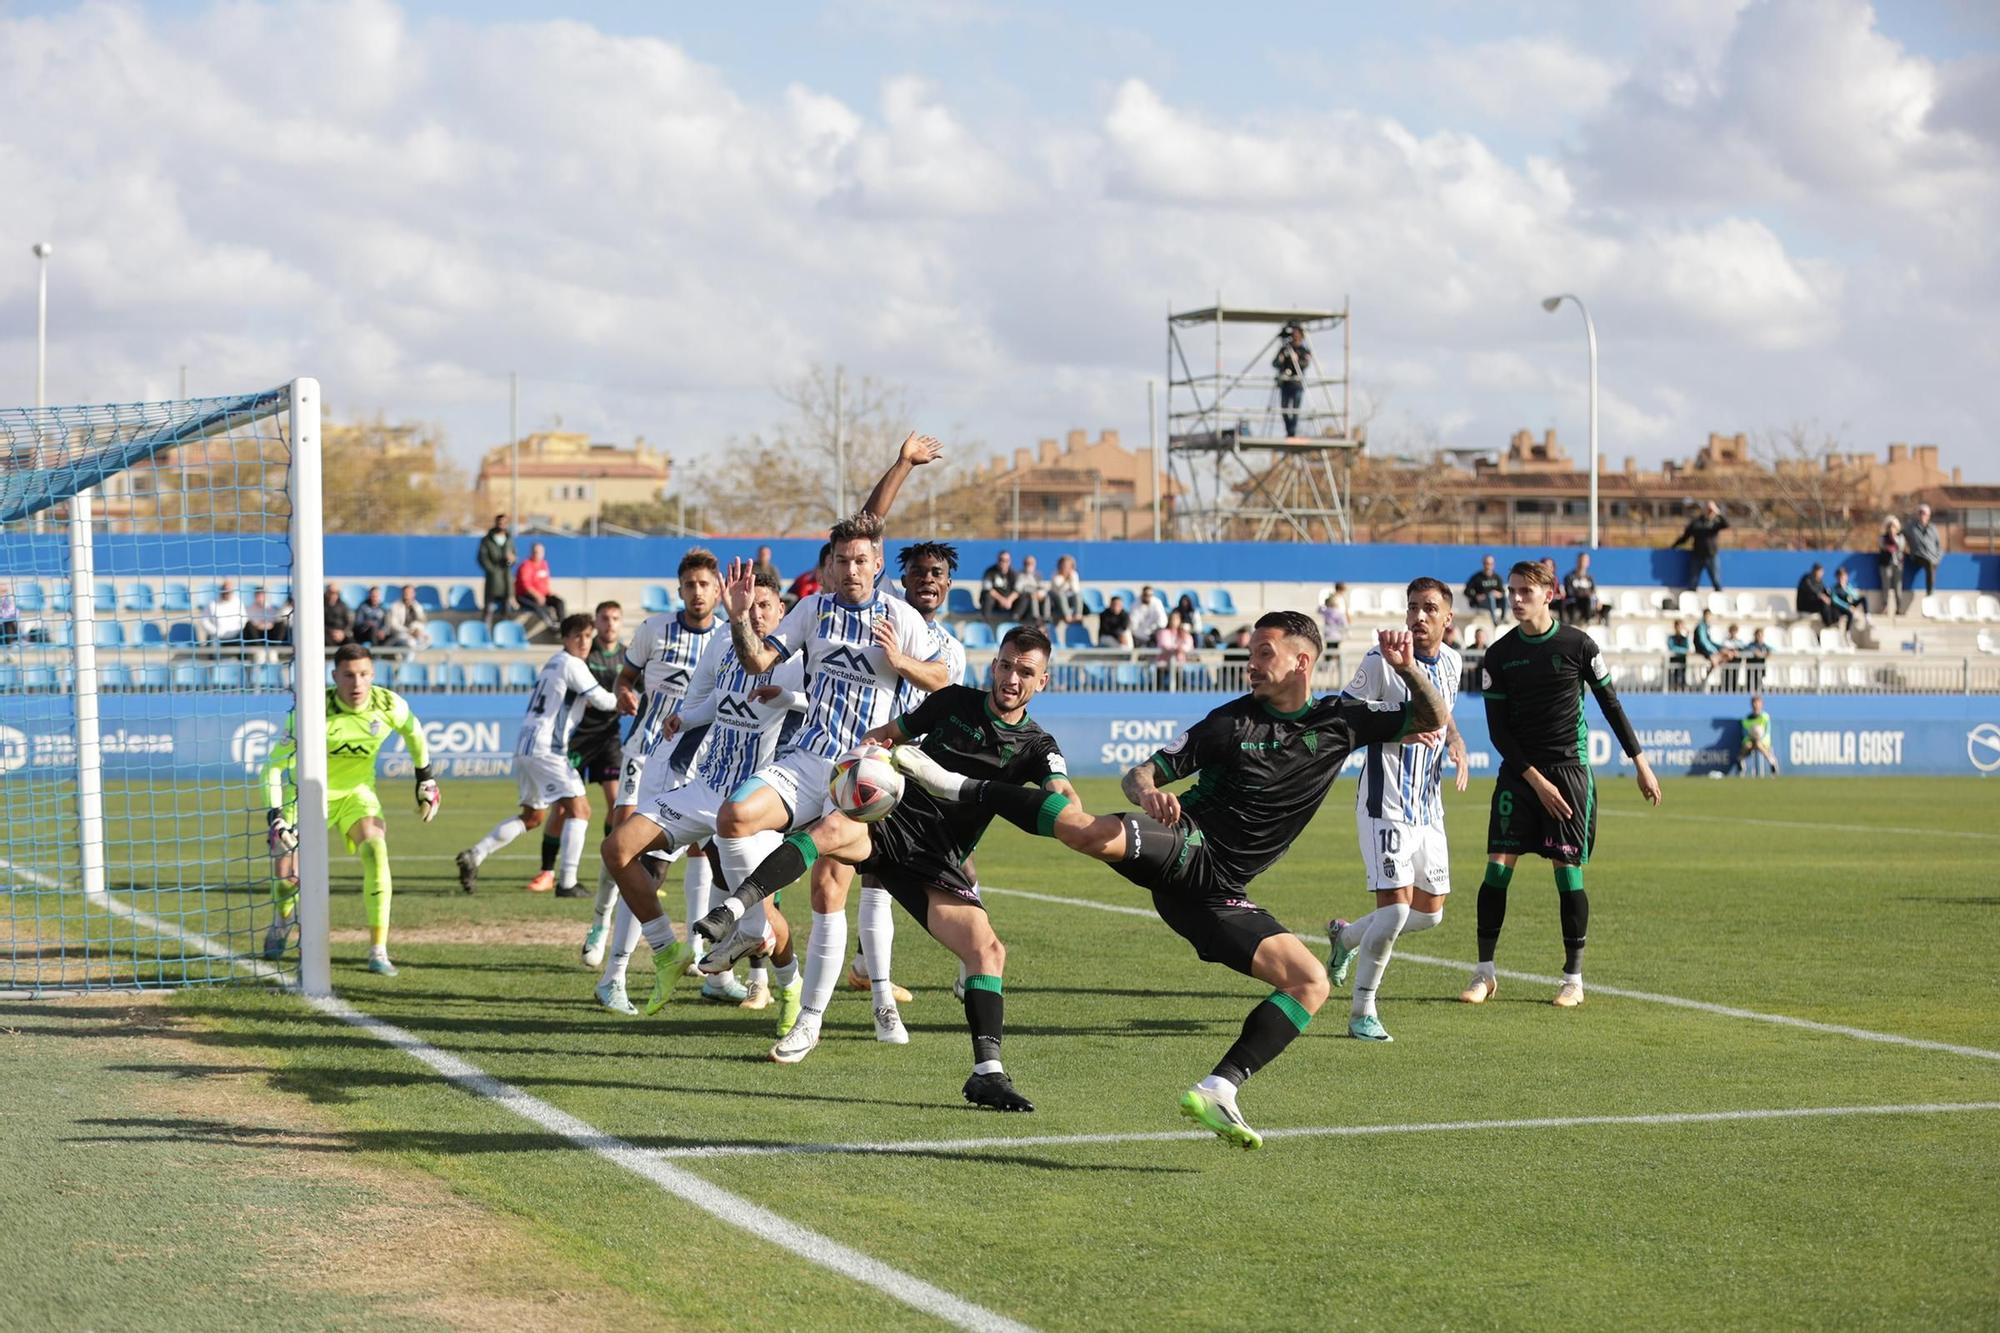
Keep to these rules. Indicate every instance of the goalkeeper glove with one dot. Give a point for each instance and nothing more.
(284, 835)
(428, 795)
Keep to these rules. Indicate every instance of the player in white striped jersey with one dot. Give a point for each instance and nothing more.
(542, 770)
(1399, 811)
(733, 720)
(859, 644)
(659, 664)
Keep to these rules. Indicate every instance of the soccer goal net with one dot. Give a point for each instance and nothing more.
(159, 616)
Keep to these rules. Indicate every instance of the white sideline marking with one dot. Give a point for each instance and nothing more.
(1815, 825)
(1677, 1001)
(1318, 1131)
(652, 1165)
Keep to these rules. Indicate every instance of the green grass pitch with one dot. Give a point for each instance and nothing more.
(1873, 904)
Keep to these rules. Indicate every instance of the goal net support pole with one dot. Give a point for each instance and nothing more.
(309, 688)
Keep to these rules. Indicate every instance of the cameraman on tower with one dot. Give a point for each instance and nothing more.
(1291, 363)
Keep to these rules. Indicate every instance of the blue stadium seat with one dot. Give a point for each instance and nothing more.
(180, 633)
(472, 634)
(1004, 628)
(108, 634)
(38, 678)
(175, 597)
(152, 634)
(1194, 676)
(56, 632)
(188, 676)
(354, 594)
(1078, 635)
(1221, 603)
(1128, 676)
(280, 590)
(226, 675)
(656, 599)
(428, 598)
(153, 677)
(59, 600)
(449, 676)
(138, 597)
(519, 676)
(960, 603)
(509, 634)
(1093, 601)
(269, 676)
(971, 677)
(203, 593)
(411, 676)
(28, 596)
(976, 634)
(1193, 595)
(464, 598)
(483, 676)
(1131, 597)
(1097, 678)
(10, 678)
(442, 633)
(107, 597)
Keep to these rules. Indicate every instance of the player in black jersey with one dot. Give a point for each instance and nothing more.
(918, 852)
(595, 748)
(1262, 764)
(1545, 801)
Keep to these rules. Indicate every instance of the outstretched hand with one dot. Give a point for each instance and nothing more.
(918, 449)
(1396, 647)
(740, 588)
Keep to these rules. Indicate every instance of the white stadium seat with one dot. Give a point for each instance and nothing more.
(1799, 676)
(1718, 603)
(1989, 607)
(1747, 604)
(1804, 639)
(1361, 601)
(1780, 606)
(1629, 603)
(1688, 604)
(1986, 644)
(1832, 640)
(1932, 607)
(1958, 606)
(1625, 639)
(1656, 638)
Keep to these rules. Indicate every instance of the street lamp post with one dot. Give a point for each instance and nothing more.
(1550, 304)
(42, 252)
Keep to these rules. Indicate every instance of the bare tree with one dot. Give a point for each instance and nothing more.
(1815, 492)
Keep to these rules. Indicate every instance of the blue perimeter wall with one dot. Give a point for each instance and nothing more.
(1173, 564)
(223, 738)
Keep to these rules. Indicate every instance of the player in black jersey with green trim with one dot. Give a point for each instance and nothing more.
(1262, 764)
(1545, 801)
(918, 852)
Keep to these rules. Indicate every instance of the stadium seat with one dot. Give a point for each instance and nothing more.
(181, 634)
(1988, 607)
(463, 598)
(1004, 628)
(188, 676)
(428, 598)
(1958, 606)
(38, 678)
(153, 677)
(1804, 639)
(971, 677)
(1128, 676)
(28, 596)
(519, 676)
(1194, 676)
(280, 590)
(1625, 638)
(174, 597)
(10, 678)
(1747, 605)
(443, 635)
(226, 675)
(509, 634)
(1932, 607)
(1799, 676)
(152, 634)
(1832, 640)
(108, 634)
(1078, 635)
(59, 600)
(1719, 604)
(410, 676)
(1779, 607)
(1360, 601)
(138, 597)
(1193, 595)
(202, 594)
(1688, 604)
(472, 634)
(106, 597)
(1629, 603)
(1097, 678)
(354, 594)
(1985, 640)
(1093, 601)
(656, 599)
(1655, 640)
(483, 676)
(960, 603)
(1221, 603)
(1131, 597)
(976, 634)
(269, 676)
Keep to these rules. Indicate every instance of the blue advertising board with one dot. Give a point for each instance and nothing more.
(224, 737)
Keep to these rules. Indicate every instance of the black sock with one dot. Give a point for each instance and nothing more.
(792, 858)
(1492, 907)
(1574, 907)
(1266, 1032)
(1029, 809)
(551, 848)
(983, 1011)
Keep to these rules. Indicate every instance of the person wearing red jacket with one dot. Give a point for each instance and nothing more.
(531, 588)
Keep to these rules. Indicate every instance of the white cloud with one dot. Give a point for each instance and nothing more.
(1519, 81)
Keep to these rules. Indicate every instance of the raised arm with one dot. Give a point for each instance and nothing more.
(1427, 710)
(738, 590)
(917, 450)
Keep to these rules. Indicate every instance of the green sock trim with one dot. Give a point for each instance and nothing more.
(1292, 1009)
(1498, 875)
(1569, 879)
(804, 842)
(983, 982)
(1052, 807)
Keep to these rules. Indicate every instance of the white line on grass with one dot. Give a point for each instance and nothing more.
(1677, 1001)
(1317, 1131)
(1817, 826)
(651, 1165)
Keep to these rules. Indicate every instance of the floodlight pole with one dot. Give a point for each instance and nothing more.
(1550, 304)
(42, 250)
(513, 452)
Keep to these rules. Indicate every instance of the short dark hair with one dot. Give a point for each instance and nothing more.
(602, 607)
(1429, 584)
(863, 526)
(1029, 639)
(576, 624)
(766, 578)
(1534, 571)
(916, 551)
(352, 652)
(1294, 625)
(825, 550)
(698, 558)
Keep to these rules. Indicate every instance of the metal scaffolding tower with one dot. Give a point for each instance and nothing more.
(1242, 475)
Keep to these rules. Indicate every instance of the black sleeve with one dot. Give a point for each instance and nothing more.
(1373, 721)
(1203, 743)
(1687, 535)
(1614, 714)
(1721, 522)
(926, 715)
(1499, 732)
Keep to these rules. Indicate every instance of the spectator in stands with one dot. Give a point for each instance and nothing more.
(1556, 598)
(533, 590)
(1703, 537)
(1189, 613)
(1487, 591)
(1733, 646)
(810, 582)
(1066, 592)
(765, 565)
(339, 621)
(265, 623)
(1174, 641)
(1756, 656)
(1034, 603)
(1711, 652)
(1889, 552)
(1000, 590)
(1926, 548)
(1813, 599)
(496, 561)
(408, 621)
(1580, 604)
(222, 621)
(1211, 637)
(1237, 649)
(1149, 617)
(1678, 645)
(1850, 605)
(371, 619)
(1333, 617)
(10, 617)
(1473, 655)
(1291, 363)
(1114, 625)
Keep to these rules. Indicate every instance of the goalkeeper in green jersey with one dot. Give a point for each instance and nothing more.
(1756, 740)
(359, 717)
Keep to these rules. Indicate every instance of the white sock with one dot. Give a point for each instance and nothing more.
(1422, 921)
(1220, 1087)
(1483, 969)
(659, 933)
(740, 856)
(1377, 943)
(607, 895)
(574, 832)
(503, 833)
(697, 887)
(785, 973)
(624, 940)
(987, 1067)
(760, 973)
(876, 928)
(825, 952)
(1572, 979)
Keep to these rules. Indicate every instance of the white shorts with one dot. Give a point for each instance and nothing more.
(686, 813)
(631, 775)
(545, 779)
(800, 779)
(1400, 856)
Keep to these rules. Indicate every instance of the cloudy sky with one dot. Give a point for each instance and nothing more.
(1778, 211)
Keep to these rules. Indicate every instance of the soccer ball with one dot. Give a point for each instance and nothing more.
(864, 785)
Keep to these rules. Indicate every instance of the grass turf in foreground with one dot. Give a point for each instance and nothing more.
(1863, 1221)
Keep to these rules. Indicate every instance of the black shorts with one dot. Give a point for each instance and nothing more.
(599, 761)
(908, 866)
(1222, 924)
(1520, 826)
